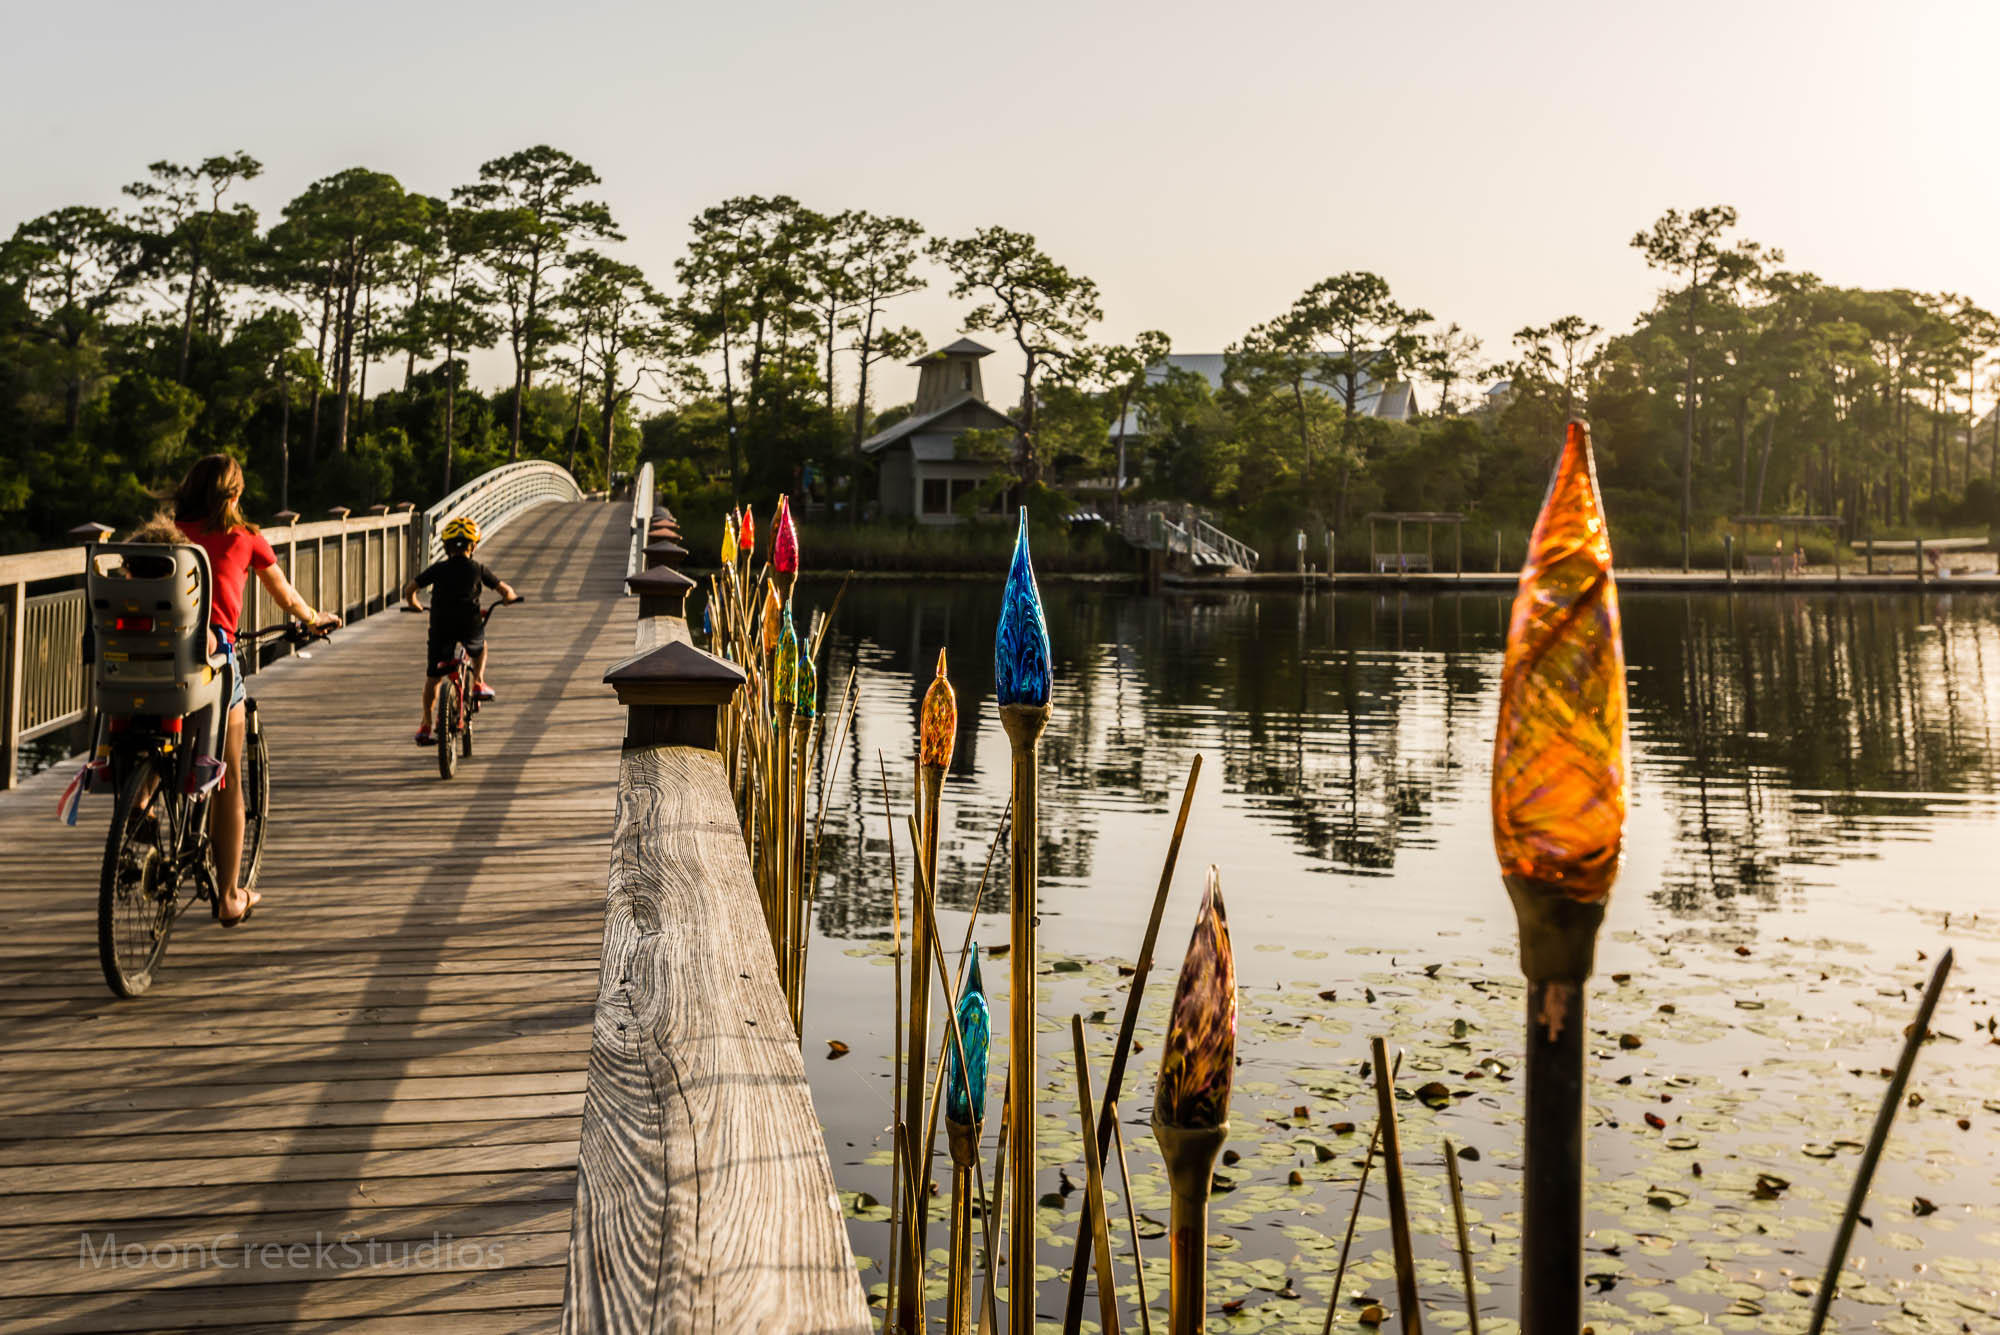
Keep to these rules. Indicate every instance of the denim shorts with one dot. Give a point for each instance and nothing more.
(237, 693)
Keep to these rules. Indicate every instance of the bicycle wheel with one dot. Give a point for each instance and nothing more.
(136, 892)
(256, 796)
(446, 728)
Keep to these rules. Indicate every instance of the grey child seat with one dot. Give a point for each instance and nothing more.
(149, 615)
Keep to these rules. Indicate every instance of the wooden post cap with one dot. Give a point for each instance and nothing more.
(664, 516)
(406, 505)
(339, 511)
(662, 591)
(91, 532)
(286, 516)
(381, 508)
(664, 552)
(663, 528)
(671, 694)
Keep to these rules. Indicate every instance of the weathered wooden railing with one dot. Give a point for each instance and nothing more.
(704, 1199)
(352, 564)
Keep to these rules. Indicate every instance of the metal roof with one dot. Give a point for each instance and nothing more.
(914, 423)
(965, 347)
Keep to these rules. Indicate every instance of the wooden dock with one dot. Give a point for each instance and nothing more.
(361, 1110)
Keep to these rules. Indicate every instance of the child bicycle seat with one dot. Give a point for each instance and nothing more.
(149, 614)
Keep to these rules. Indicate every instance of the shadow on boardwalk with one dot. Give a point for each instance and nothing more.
(359, 1111)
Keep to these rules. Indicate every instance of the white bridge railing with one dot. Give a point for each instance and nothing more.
(642, 518)
(353, 564)
(495, 497)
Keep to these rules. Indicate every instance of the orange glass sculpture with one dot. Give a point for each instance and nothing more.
(940, 721)
(746, 540)
(773, 609)
(1200, 1058)
(1559, 761)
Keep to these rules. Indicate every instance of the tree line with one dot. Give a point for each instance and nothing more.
(136, 338)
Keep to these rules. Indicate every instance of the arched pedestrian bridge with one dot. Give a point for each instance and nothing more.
(366, 1109)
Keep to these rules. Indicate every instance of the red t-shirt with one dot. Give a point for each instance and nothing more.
(231, 558)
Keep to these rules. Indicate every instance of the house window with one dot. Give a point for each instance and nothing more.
(965, 373)
(962, 488)
(937, 496)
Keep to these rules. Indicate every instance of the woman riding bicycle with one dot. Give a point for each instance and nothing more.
(208, 509)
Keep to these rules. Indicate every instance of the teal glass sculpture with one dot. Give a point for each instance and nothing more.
(965, 1101)
(1021, 648)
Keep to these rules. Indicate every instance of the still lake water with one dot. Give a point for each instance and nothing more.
(1815, 808)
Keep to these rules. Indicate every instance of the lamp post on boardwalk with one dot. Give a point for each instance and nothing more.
(1191, 1107)
(964, 1110)
(1558, 827)
(1021, 680)
(937, 736)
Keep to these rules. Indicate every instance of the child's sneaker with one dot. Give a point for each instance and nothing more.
(424, 737)
(482, 693)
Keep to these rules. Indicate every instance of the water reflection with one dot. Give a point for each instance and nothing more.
(1348, 733)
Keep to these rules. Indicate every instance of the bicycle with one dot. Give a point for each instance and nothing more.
(159, 858)
(456, 703)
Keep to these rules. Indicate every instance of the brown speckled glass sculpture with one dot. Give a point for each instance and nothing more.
(1200, 1057)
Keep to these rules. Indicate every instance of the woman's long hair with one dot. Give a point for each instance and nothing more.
(211, 494)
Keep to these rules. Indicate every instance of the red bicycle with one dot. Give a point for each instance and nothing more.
(456, 704)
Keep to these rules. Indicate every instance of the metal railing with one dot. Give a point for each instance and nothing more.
(356, 566)
(1190, 535)
(497, 496)
(1232, 552)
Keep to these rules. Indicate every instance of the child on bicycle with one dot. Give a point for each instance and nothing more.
(455, 583)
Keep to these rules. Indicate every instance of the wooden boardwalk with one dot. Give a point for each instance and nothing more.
(359, 1111)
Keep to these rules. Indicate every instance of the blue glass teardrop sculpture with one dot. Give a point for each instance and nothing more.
(965, 1102)
(1021, 649)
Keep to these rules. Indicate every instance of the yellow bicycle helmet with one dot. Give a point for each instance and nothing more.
(463, 528)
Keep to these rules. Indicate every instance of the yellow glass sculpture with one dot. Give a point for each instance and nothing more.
(773, 610)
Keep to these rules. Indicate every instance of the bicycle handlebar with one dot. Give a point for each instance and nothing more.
(298, 633)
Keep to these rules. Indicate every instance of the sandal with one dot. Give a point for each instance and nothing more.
(243, 917)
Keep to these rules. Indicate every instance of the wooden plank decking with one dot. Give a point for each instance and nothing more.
(392, 1052)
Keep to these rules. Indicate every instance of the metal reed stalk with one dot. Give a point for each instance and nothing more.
(1190, 1153)
(930, 787)
(1114, 1078)
(1354, 1215)
(1024, 725)
(1399, 1211)
(1558, 951)
(1093, 1164)
(1131, 1220)
(1892, 1098)
(1464, 1240)
(963, 1138)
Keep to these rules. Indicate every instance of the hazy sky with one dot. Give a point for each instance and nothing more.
(1204, 163)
